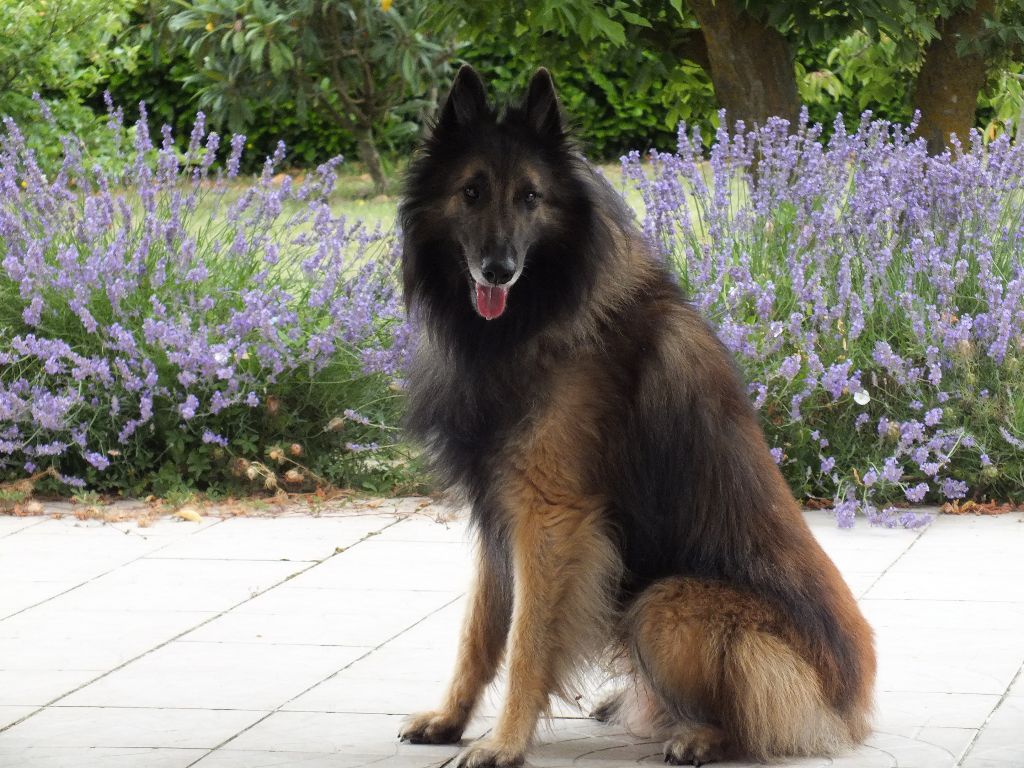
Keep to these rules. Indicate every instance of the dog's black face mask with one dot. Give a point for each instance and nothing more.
(500, 198)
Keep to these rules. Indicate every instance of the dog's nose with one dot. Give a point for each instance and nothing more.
(498, 270)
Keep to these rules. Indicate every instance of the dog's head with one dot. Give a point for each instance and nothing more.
(488, 191)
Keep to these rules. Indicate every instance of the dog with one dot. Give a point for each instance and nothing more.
(623, 497)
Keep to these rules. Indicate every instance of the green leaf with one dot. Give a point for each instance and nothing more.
(611, 29)
(635, 19)
(256, 53)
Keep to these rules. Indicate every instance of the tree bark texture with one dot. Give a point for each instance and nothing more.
(370, 158)
(751, 64)
(948, 84)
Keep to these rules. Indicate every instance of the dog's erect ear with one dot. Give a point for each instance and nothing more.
(542, 105)
(467, 100)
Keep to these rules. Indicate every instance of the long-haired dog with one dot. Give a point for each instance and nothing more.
(622, 491)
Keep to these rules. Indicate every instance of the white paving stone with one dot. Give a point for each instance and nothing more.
(216, 676)
(1001, 743)
(238, 758)
(97, 757)
(354, 734)
(129, 727)
(21, 687)
(46, 637)
(412, 566)
(289, 661)
(11, 714)
(9, 525)
(953, 661)
(177, 585)
(19, 594)
(322, 617)
(290, 538)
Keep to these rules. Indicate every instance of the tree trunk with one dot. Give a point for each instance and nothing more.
(948, 84)
(369, 157)
(751, 64)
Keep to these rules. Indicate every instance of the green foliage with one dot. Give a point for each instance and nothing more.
(1002, 101)
(62, 50)
(371, 70)
(619, 100)
(855, 74)
(57, 47)
(159, 69)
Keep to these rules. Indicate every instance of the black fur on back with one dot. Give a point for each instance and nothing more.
(691, 488)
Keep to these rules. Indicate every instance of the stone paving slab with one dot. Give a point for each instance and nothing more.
(304, 640)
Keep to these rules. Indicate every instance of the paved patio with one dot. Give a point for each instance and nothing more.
(303, 641)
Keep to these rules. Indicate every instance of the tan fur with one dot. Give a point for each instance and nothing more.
(480, 650)
(717, 655)
(565, 567)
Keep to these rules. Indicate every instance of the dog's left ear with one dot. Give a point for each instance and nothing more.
(542, 105)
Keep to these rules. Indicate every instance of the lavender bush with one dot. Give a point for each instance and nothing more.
(873, 295)
(164, 328)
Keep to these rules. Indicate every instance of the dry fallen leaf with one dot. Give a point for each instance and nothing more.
(974, 508)
(190, 513)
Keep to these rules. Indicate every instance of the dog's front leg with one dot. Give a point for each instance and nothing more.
(563, 567)
(484, 632)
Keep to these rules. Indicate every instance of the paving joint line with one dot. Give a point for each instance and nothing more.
(921, 534)
(333, 675)
(206, 621)
(1002, 700)
(41, 519)
(107, 572)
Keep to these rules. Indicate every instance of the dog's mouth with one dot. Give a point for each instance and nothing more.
(490, 300)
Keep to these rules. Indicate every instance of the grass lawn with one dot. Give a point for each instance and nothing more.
(354, 196)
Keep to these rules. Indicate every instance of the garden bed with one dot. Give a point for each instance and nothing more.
(166, 330)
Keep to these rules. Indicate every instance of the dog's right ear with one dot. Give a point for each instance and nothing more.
(466, 102)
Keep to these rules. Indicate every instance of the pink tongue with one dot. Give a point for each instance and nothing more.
(490, 300)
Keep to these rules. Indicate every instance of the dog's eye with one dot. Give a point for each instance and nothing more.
(531, 198)
(471, 192)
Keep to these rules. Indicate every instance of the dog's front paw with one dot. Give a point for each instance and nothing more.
(695, 745)
(489, 754)
(432, 728)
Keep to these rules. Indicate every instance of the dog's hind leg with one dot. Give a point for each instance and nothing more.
(724, 664)
(484, 631)
(635, 707)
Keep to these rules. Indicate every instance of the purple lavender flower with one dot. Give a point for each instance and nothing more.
(98, 460)
(917, 493)
(892, 472)
(954, 489)
(188, 408)
(846, 512)
(211, 437)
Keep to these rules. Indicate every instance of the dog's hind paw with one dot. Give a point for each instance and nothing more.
(487, 754)
(608, 708)
(432, 728)
(695, 745)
